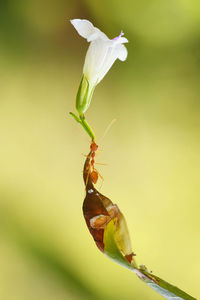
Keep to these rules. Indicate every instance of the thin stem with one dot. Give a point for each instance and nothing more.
(85, 125)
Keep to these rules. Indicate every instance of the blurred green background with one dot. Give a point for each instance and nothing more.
(152, 151)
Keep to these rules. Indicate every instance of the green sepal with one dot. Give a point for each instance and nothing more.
(84, 95)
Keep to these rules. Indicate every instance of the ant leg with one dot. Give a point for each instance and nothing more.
(99, 174)
(85, 155)
(98, 152)
(102, 179)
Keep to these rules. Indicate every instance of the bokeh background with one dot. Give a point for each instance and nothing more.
(152, 151)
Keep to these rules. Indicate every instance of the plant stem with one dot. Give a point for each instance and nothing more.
(85, 125)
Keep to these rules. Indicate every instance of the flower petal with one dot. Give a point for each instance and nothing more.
(87, 30)
(122, 52)
(84, 27)
(121, 40)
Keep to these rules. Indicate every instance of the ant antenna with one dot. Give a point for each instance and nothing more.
(107, 129)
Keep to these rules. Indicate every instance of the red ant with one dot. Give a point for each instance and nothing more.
(94, 174)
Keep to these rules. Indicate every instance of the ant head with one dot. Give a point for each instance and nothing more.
(93, 146)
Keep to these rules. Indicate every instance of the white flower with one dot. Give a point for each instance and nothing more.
(102, 51)
(100, 56)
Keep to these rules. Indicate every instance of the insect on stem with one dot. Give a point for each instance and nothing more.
(92, 172)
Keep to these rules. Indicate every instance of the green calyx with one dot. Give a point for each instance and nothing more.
(83, 100)
(84, 95)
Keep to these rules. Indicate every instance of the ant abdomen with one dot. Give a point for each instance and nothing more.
(94, 176)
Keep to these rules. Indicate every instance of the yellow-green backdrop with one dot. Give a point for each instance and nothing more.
(152, 151)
